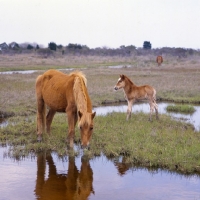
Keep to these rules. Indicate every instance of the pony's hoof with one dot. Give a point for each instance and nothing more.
(39, 139)
(85, 147)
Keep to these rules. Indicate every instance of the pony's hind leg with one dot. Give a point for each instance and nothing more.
(156, 110)
(41, 118)
(49, 119)
(151, 111)
(153, 106)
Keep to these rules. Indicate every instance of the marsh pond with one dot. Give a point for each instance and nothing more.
(49, 176)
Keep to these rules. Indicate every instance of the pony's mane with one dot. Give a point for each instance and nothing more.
(128, 79)
(81, 98)
(80, 75)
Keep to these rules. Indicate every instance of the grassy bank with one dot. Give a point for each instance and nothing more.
(164, 143)
(181, 108)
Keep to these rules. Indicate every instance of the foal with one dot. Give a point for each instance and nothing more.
(133, 92)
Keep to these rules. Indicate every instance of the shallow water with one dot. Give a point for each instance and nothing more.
(29, 71)
(48, 177)
(194, 118)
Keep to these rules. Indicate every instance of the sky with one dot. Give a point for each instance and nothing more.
(101, 23)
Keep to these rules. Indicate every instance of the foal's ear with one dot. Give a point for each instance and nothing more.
(80, 114)
(93, 115)
(122, 76)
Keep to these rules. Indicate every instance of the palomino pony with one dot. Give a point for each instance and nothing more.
(159, 60)
(64, 93)
(133, 92)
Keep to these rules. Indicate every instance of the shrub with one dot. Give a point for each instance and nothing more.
(52, 46)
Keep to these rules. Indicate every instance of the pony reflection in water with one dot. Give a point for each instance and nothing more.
(133, 92)
(64, 93)
(74, 184)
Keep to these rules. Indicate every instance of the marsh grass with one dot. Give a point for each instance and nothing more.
(181, 108)
(162, 143)
(165, 143)
(179, 83)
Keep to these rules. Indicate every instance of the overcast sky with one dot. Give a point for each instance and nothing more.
(98, 23)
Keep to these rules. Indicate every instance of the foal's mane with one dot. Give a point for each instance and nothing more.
(129, 80)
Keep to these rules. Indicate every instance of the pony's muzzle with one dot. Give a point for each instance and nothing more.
(116, 88)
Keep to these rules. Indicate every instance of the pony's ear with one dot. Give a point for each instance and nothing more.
(122, 76)
(93, 115)
(80, 114)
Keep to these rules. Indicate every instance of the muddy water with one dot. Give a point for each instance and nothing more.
(49, 177)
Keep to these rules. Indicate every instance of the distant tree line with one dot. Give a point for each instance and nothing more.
(78, 49)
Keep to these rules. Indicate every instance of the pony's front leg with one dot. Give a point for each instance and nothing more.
(129, 109)
(72, 119)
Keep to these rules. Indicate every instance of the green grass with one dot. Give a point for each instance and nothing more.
(165, 143)
(181, 108)
(162, 143)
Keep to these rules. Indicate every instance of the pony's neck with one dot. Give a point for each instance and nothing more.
(128, 85)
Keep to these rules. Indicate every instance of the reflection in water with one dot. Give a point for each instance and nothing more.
(72, 185)
(49, 178)
(122, 166)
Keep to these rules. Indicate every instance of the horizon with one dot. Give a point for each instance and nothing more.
(102, 23)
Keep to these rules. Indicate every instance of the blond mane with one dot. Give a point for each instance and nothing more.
(80, 75)
(81, 98)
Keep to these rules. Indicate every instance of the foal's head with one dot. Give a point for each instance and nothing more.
(86, 127)
(120, 83)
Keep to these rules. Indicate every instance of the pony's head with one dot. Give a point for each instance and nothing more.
(120, 83)
(86, 127)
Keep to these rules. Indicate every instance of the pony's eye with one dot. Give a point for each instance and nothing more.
(91, 128)
(80, 127)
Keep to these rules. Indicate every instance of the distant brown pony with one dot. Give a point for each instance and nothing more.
(133, 92)
(159, 60)
(64, 93)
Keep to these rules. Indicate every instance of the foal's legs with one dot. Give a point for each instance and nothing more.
(151, 110)
(72, 119)
(156, 109)
(153, 105)
(49, 119)
(129, 109)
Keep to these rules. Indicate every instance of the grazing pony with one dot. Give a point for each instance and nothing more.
(64, 93)
(133, 92)
(159, 60)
